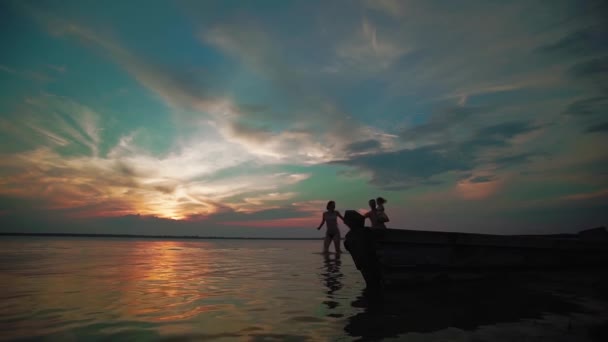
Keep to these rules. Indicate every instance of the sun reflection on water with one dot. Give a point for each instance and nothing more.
(166, 280)
(150, 289)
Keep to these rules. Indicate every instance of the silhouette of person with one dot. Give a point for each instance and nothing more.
(372, 215)
(332, 233)
(382, 217)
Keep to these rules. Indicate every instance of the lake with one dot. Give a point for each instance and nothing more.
(253, 290)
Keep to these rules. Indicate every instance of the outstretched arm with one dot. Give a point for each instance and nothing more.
(322, 222)
(340, 216)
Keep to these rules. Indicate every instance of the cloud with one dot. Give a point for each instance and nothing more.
(422, 164)
(253, 46)
(127, 179)
(368, 50)
(29, 75)
(395, 8)
(57, 68)
(316, 128)
(442, 125)
(584, 42)
(296, 214)
(588, 106)
(587, 195)
(405, 168)
(305, 139)
(499, 135)
(177, 88)
(370, 145)
(408, 94)
(142, 185)
(55, 121)
(599, 128)
(513, 159)
(476, 190)
(482, 179)
(596, 67)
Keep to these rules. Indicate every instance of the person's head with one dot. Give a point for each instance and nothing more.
(372, 203)
(331, 205)
(380, 200)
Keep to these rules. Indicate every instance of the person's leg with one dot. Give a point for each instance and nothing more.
(326, 243)
(337, 243)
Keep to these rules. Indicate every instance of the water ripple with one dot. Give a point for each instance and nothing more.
(147, 289)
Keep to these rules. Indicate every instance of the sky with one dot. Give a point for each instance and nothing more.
(243, 118)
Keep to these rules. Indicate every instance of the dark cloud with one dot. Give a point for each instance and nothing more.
(250, 132)
(591, 68)
(495, 136)
(514, 159)
(482, 179)
(30, 216)
(506, 130)
(441, 121)
(165, 188)
(125, 170)
(499, 135)
(254, 108)
(600, 128)
(587, 107)
(363, 146)
(456, 113)
(404, 168)
(584, 42)
(409, 167)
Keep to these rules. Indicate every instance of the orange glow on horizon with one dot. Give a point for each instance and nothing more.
(477, 191)
(296, 222)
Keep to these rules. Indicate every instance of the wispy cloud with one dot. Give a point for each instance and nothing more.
(128, 179)
(29, 75)
(319, 130)
(369, 50)
(58, 68)
(54, 120)
(394, 8)
(307, 141)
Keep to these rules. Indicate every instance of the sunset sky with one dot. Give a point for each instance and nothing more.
(243, 118)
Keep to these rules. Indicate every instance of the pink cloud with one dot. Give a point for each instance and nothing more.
(295, 222)
(477, 190)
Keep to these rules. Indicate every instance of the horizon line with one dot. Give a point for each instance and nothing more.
(192, 237)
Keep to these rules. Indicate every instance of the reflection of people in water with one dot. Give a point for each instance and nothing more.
(372, 215)
(333, 233)
(331, 279)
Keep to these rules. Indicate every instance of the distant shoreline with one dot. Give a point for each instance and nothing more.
(167, 237)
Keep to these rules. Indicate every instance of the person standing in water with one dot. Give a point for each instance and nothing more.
(372, 215)
(332, 233)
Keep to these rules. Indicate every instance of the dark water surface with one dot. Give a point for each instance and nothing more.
(225, 290)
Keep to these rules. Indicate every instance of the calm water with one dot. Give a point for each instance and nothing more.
(127, 289)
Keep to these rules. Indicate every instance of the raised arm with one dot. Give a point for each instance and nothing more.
(322, 221)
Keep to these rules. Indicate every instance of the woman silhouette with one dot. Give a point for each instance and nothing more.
(332, 233)
(372, 215)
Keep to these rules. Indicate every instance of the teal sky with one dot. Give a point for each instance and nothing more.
(245, 117)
